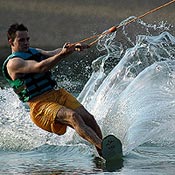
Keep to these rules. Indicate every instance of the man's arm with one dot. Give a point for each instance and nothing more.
(18, 66)
(49, 53)
(78, 47)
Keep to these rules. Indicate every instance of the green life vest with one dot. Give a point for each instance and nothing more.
(30, 85)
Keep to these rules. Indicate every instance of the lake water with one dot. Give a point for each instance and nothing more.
(131, 93)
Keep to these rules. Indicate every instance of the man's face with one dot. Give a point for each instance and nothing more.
(21, 42)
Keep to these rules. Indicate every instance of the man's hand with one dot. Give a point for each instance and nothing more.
(81, 47)
(69, 48)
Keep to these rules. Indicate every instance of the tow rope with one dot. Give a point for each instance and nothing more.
(114, 28)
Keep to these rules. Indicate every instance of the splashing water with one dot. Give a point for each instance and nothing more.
(135, 100)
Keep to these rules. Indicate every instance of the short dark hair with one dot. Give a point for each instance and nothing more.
(11, 33)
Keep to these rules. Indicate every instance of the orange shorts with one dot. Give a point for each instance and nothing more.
(44, 108)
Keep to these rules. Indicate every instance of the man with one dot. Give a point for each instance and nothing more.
(27, 71)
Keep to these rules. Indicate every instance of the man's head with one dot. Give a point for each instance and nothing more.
(18, 37)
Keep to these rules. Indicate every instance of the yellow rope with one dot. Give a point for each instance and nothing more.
(114, 28)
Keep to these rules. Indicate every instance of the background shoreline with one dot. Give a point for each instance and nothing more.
(51, 23)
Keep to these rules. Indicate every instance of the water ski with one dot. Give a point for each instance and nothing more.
(112, 152)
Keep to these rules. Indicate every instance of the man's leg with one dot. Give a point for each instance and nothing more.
(89, 120)
(74, 119)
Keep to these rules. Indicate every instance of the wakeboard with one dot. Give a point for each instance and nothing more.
(112, 152)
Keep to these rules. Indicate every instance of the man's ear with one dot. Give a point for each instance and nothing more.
(11, 42)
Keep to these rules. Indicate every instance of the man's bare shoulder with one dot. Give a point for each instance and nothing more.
(15, 63)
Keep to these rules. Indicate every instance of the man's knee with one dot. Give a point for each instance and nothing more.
(73, 116)
(66, 115)
(75, 119)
